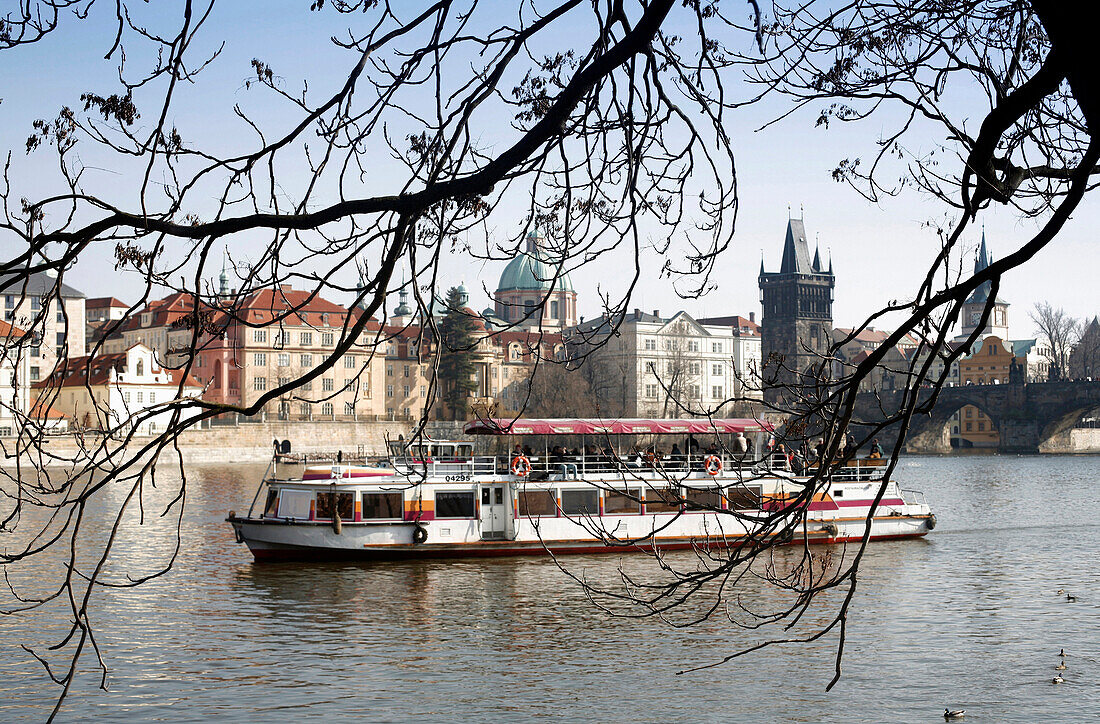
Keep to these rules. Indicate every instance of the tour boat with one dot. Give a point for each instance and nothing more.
(440, 499)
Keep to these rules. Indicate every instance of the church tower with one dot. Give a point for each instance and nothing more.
(797, 319)
(975, 304)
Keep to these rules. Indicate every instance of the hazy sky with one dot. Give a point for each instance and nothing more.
(879, 252)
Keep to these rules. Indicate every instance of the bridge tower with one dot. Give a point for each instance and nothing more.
(975, 304)
(797, 316)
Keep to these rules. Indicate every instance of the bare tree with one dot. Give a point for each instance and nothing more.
(618, 139)
(1061, 333)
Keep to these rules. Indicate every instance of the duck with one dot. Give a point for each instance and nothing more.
(1070, 597)
(1061, 666)
(950, 714)
(1057, 679)
(1062, 653)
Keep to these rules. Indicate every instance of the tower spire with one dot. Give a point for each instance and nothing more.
(223, 278)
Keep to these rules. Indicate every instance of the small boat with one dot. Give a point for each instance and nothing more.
(438, 499)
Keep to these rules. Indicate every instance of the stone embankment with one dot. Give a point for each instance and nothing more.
(252, 442)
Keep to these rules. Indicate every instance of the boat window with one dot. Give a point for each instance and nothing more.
(743, 497)
(383, 506)
(537, 502)
(272, 505)
(295, 503)
(454, 504)
(344, 505)
(662, 500)
(615, 503)
(579, 502)
(702, 499)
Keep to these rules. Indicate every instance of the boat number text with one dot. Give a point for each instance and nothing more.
(459, 478)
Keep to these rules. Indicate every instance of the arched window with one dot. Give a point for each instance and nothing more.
(553, 310)
(140, 367)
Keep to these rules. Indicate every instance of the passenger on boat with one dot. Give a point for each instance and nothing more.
(740, 447)
(779, 458)
(819, 449)
(876, 450)
(566, 465)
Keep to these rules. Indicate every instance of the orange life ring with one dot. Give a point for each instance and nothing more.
(712, 464)
(521, 466)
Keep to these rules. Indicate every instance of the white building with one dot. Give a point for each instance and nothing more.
(111, 391)
(644, 365)
(14, 371)
(52, 312)
(746, 351)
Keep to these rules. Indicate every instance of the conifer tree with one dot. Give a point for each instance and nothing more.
(456, 354)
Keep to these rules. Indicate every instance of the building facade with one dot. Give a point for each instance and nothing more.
(52, 312)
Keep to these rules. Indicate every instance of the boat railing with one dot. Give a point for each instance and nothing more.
(913, 497)
(477, 465)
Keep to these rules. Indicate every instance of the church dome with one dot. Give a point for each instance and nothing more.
(528, 272)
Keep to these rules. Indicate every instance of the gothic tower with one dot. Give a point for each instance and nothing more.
(797, 319)
(975, 304)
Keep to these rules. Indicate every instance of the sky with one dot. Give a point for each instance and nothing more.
(879, 251)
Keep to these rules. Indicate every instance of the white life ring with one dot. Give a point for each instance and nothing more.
(521, 466)
(713, 465)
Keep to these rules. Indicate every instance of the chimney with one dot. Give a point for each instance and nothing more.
(637, 313)
(657, 313)
(752, 317)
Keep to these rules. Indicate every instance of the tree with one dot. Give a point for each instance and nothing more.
(620, 138)
(456, 363)
(1061, 332)
(558, 390)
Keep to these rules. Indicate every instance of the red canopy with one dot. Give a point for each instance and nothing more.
(593, 426)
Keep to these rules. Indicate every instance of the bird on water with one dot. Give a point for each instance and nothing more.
(950, 714)
(1057, 679)
(1062, 653)
(1061, 666)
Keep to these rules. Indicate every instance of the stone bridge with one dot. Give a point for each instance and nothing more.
(1027, 416)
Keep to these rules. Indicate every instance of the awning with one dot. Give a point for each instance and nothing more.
(633, 426)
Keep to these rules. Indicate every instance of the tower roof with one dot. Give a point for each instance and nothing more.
(796, 252)
(981, 263)
(531, 272)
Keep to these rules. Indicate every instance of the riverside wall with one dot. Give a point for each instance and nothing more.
(252, 442)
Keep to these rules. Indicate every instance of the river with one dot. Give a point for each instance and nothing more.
(967, 618)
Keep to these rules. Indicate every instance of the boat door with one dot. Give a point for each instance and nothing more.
(494, 511)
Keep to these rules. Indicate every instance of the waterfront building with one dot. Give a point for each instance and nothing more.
(106, 391)
(502, 361)
(746, 352)
(99, 312)
(50, 311)
(646, 365)
(797, 317)
(534, 290)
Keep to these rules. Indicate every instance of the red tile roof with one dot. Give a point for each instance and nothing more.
(81, 371)
(101, 302)
(10, 331)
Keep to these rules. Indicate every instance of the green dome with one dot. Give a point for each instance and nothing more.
(528, 272)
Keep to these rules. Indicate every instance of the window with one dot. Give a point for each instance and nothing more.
(36, 351)
(152, 398)
(305, 410)
(35, 372)
(969, 426)
(651, 391)
(306, 338)
(533, 503)
(60, 315)
(327, 409)
(271, 507)
(259, 359)
(284, 359)
(553, 310)
(259, 335)
(693, 346)
(327, 338)
(383, 506)
(580, 502)
(307, 360)
(389, 390)
(326, 384)
(9, 301)
(349, 408)
(36, 304)
(389, 370)
(981, 427)
(405, 391)
(405, 372)
(743, 497)
(970, 412)
(349, 362)
(60, 339)
(140, 394)
(651, 344)
(294, 503)
(717, 392)
(716, 347)
(342, 503)
(702, 499)
(627, 503)
(717, 368)
(423, 390)
(662, 500)
(693, 391)
(454, 504)
(259, 384)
